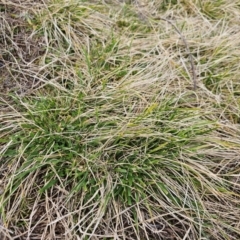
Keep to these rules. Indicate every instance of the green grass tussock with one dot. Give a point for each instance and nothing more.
(119, 120)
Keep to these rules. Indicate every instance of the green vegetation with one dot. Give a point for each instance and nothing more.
(102, 132)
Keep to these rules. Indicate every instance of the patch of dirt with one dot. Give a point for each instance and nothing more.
(20, 48)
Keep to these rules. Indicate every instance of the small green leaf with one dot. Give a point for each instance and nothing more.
(163, 188)
(48, 185)
(121, 170)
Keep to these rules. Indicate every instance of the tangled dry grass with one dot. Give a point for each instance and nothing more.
(120, 119)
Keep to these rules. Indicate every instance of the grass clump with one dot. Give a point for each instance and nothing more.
(102, 135)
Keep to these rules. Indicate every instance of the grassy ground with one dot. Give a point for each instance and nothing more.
(120, 119)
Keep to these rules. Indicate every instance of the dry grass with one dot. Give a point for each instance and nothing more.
(119, 120)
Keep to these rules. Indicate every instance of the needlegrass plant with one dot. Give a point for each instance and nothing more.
(119, 120)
